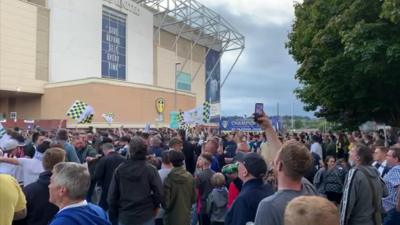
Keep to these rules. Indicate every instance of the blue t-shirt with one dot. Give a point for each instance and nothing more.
(89, 214)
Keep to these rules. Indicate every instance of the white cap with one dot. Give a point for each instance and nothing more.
(10, 145)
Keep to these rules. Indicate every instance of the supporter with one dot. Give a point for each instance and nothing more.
(229, 148)
(363, 190)
(68, 187)
(252, 169)
(341, 146)
(136, 191)
(188, 150)
(85, 152)
(179, 187)
(234, 184)
(211, 147)
(392, 180)
(217, 200)
(328, 145)
(40, 210)
(311, 210)
(316, 146)
(124, 146)
(29, 168)
(155, 146)
(329, 180)
(175, 144)
(62, 139)
(380, 160)
(105, 170)
(12, 200)
(8, 148)
(204, 187)
(292, 162)
(166, 167)
(377, 139)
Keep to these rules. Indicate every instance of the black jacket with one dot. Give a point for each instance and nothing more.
(190, 158)
(244, 208)
(135, 191)
(40, 210)
(103, 175)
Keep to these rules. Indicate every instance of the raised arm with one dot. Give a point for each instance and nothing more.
(9, 160)
(274, 144)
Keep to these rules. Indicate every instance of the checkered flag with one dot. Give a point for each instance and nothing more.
(181, 120)
(81, 112)
(206, 111)
(88, 119)
(2, 131)
(108, 117)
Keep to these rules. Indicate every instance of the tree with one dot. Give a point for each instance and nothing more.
(349, 57)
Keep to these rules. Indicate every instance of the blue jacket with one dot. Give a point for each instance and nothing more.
(244, 207)
(83, 215)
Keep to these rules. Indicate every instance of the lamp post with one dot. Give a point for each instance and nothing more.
(176, 70)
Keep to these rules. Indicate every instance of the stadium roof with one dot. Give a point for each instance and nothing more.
(193, 21)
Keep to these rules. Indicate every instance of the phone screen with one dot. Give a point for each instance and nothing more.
(259, 109)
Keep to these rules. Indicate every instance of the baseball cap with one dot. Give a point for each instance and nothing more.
(230, 168)
(254, 164)
(10, 145)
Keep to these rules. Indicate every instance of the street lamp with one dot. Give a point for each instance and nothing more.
(176, 70)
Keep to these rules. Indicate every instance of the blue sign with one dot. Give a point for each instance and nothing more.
(113, 46)
(246, 124)
(239, 124)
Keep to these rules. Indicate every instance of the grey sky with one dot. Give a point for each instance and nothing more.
(265, 72)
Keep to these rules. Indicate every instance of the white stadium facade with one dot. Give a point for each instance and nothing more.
(119, 56)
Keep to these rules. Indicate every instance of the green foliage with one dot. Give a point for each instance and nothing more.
(349, 57)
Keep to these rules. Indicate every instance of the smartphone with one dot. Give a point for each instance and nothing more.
(259, 109)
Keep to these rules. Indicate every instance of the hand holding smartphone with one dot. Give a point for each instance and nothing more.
(258, 111)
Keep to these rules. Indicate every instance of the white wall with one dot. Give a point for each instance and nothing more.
(75, 41)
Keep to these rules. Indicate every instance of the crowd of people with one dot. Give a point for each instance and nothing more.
(177, 177)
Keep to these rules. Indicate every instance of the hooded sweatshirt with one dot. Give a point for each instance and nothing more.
(180, 194)
(217, 204)
(84, 215)
(135, 191)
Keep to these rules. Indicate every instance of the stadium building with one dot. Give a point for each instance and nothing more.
(119, 56)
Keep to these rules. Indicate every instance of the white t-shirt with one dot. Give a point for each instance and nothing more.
(316, 148)
(31, 168)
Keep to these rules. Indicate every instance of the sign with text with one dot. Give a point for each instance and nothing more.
(113, 47)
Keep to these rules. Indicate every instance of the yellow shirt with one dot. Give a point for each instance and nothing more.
(12, 199)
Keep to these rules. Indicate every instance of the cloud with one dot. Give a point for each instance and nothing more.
(265, 71)
(258, 11)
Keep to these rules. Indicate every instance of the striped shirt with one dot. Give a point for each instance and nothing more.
(392, 180)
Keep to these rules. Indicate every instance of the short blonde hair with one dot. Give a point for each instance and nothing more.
(311, 210)
(218, 180)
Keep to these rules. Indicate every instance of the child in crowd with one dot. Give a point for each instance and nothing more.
(217, 200)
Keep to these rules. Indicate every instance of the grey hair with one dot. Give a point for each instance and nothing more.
(74, 177)
(107, 146)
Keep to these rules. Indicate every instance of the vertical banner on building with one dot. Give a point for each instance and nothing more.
(113, 45)
(173, 120)
(213, 79)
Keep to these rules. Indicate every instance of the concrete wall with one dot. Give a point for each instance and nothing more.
(23, 60)
(166, 56)
(131, 103)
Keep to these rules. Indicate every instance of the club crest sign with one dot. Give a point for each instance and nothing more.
(160, 105)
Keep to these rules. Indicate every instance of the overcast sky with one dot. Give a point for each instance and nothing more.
(265, 71)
